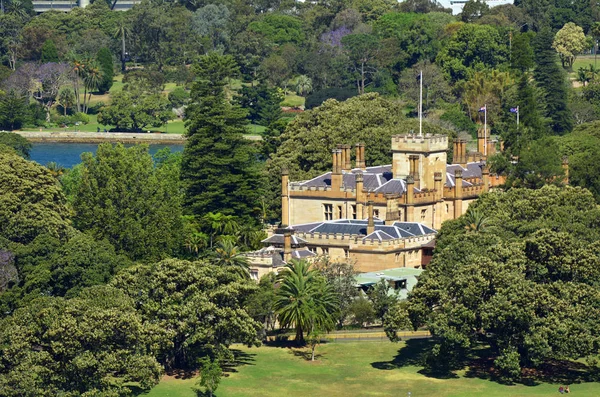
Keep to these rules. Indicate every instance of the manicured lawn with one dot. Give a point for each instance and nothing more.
(293, 100)
(354, 369)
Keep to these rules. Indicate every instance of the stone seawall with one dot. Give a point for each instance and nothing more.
(99, 137)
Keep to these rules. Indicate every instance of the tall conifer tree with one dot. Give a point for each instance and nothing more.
(549, 76)
(105, 60)
(219, 168)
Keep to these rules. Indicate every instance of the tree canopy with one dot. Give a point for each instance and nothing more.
(519, 284)
(31, 201)
(198, 307)
(123, 197)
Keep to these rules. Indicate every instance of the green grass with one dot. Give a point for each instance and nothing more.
(583, 62)
(353, 369)
(293, 100)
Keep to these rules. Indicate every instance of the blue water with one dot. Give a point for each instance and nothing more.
(69, 154)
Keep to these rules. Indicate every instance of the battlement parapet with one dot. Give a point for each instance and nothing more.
(419, 144)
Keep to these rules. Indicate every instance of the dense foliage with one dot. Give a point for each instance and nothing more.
(123, 197)
(31, 201)
(519, 282)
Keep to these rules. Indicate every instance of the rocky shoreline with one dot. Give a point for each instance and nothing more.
(99, 137)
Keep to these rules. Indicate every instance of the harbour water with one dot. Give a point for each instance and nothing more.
(69, 154)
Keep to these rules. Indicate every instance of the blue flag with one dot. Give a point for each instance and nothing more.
(482, 109)
(514, 110)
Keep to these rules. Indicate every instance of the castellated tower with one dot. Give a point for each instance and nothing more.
(420, 157)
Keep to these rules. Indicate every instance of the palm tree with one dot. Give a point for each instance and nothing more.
(78, 67)
(475, 221)
(218, 223)
(303, 85)
(305, 300)
(123, 29)
(55, 169)
(227, 254)
(196, 241)
(583, 76)
(91, 79)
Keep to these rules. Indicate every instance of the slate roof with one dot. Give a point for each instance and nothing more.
(380, 179)
(276, 254)
(277, 239)
(359, 228)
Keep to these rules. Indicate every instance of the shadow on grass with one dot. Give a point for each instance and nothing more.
(305, 354)
(240, 358)
(480, 364)
(414, 354)
(182, 373)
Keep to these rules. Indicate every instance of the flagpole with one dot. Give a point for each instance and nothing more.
(485, 130)
(517, 118)
(421, 104)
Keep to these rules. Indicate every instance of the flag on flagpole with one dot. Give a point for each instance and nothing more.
(482, 109)
(514, 110)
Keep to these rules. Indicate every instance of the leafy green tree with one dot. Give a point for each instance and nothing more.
(362, 311)
(539, 164)
(178, 97)
(95, 344)
(200, 310)
(279, 29)
(549, 76)
(472, 47)
(473, 10)
(212, 21)
(361, 50)
(210, 375)
(105, 61)
(261, 304)
(341, 277)
(130, 111)
(219, 169)
(49, 52)
(569, 42)
(520, 289)
(382, 297)
(275, 70)
(416, 37)
(31, 201)
(122, 197)
(581, 149)
(304, 300)
(20, 144)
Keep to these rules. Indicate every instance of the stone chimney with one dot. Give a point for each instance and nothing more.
(391, 214)
(285, 198)
(346, 158)
(438, 186)
(458, 190)
(360, 196)
(360, 156)
(410, 198)
(287, 245)
(485, 175)
(371, 220)
(336, 174)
